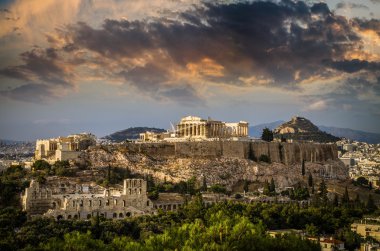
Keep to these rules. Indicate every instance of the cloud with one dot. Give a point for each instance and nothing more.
(318, 105)
(273, 44)
(32, 92)
(375, 1)
(349, 5)
(354, 65)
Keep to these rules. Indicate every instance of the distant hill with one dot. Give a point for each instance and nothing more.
(361, 136)
(131, 133)
(302, 129)
(371, 138)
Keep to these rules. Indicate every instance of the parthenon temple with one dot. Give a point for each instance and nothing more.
(197, 127)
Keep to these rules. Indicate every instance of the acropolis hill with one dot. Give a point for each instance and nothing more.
(219, 152)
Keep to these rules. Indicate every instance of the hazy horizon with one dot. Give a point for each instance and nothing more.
(79, 65)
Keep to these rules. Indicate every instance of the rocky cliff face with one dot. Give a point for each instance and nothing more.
(301, 129)
(159, 161)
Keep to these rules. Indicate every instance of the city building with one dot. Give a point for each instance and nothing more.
(63, 148)
(367, 230)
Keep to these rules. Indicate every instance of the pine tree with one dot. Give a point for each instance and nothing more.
(303, 168)
(204, 184)
(370, 206)
(272, 187)
(310, 180)
(336, 200)
(323, 191)
(267, 135)
(358, 202)
(346, 197)
(246, 186)
(109, 174)
(266, 190)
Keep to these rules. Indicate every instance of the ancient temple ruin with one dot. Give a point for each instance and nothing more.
(196, 128)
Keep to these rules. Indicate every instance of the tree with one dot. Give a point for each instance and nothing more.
(267, 135)
(311, 230)
(323, 191)
(362, 181)
(346, 198)
(303, 168)
(336, 200)
(358, 202)
(310, 180)
(272, 187)
(370, 206)
(41, 165)
(266, 190)
(264, 158)
(204, 184)
(246, 186)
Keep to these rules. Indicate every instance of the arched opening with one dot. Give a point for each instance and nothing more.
(75, 216)
(59, 217)
(123, 203)
(88, 216)
(128, 214)
(54, 205)
(69, 217)
(147, 203)
(121, 215)
(114, 215)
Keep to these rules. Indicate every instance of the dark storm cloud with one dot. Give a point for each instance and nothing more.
(372, 24)
(266, 38)
(348, 5)
(355, 65)
(39, 64)
(284, 42)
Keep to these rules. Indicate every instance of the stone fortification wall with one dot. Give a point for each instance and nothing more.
(286, 153)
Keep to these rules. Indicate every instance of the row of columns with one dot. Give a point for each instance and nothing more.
(186, 130)
(211, 130)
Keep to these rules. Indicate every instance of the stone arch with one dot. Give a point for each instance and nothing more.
(114, 215)
(69, 217)
(54, 205)
(75, 216)
(128, 214)
(59, 217)
(121, 215)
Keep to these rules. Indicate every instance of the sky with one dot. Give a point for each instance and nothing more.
(102, 66)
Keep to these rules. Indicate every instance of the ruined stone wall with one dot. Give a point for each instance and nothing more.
(286, 153)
